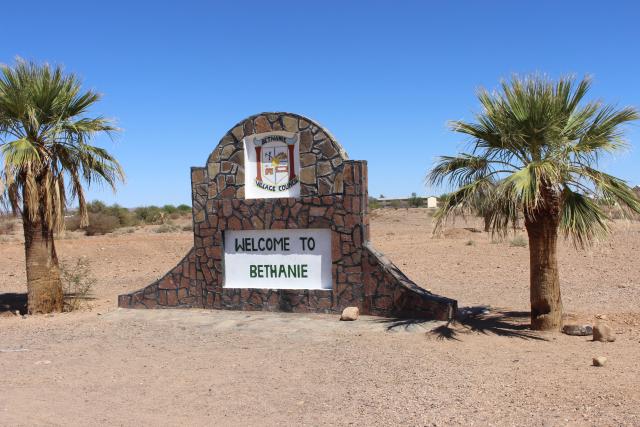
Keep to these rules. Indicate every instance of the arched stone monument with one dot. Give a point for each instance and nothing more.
(280, 220)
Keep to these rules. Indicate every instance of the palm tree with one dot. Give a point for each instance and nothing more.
(44, 140)
(540, 142)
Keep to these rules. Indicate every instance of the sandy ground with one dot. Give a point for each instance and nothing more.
(106, 366)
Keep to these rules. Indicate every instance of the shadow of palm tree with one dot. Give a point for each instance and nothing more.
(478, 319)
(13, 302)
(506, 323)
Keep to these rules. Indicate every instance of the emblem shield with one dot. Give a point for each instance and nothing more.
(275, 157)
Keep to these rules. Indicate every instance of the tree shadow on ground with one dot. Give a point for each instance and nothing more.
(12, 302)
(478, 319)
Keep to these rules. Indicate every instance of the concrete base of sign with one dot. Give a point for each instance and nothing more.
(333, 196)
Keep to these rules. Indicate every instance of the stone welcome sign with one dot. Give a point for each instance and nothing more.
(280, 220)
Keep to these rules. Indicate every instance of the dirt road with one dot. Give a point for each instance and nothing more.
(104, 366)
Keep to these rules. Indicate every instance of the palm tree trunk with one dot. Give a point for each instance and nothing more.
(546, 303)
(44, 286)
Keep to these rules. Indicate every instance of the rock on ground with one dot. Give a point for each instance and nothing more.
(577, 330)
(350, 313)
(603, 333)
(599, 361)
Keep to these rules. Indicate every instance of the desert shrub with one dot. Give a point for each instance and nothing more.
(175, 215)
(519, 241)
(395, 204)
(102, 219)
(149, 214)
(169, 209)
(415, 201)
(72, 223)
(126, 218)
(167, 228)
(96, 206)
(100, 223)
(184, 208)
(78, 283)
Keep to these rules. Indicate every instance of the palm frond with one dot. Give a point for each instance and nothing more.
(582, 219)
(460, 170)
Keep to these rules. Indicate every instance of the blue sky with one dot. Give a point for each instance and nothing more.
(383, 76)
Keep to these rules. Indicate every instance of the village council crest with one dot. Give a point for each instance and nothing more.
(272, 165)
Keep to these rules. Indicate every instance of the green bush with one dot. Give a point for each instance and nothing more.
(415, 201)
(100, 223)
(98, 211)
(96, 206)
(170, 209)
(126, 218)
(104, 216)
(149, 214)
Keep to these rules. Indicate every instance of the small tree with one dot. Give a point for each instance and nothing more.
(540, 144)
(44, 140)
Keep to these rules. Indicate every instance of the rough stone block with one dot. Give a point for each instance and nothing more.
(308, 175)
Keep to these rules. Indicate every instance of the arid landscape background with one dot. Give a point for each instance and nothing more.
(102, 365)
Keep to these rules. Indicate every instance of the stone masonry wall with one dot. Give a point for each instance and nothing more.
(333, 196)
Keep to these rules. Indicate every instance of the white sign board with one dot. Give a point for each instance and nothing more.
(272, 165)
(277, 259)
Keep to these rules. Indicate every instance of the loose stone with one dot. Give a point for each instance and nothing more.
(599, 361)
(578, 330)
(603, 333)
(350, 313)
